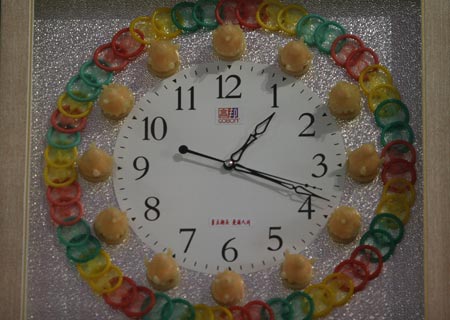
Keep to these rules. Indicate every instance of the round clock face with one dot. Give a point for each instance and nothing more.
(246, 217)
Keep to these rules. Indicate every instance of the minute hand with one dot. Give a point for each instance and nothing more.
(288, 184)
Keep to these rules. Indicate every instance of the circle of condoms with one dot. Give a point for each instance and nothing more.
(306, 27)
(72, 108)
(323, 299)
(246, 13)
(96, 267)
(67, 124)
(398, 130)
(281, 308)
(182, 16)
(343, 46)
(59, 177)
(380, 93)
(75, 235)
(373, 76)
(326, 33)
(267, 14)
(60, 158)
(66, 215)
(355, 269)
(144, 25)
(342, 287)
(204, 13)
(64, 195)
(106, 59)
(84, 252)
(182, 309)
(402, 186)
(358, 60)
(399, 168)
(390, 111)
(125, 46)
(203, 312)
(398, 149)
(259, 310)
(62, 140)
(389, 223)
(225, 11)
(289, 16)
(369, 255)
(93, 75)
(302, 305)
(162, 301)
(123, 295)
(380, 239)
(108, 281)
(80, 91)
(141, 304)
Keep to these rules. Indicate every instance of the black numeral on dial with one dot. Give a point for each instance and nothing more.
(321, 164)
(191, 236)
(157, 128)
(275, 96)
(306, 207)
(180, 100)
(141, 163)
(277, 239)
(229, 253)
(152, 213)
(230, 94)
(310, 121)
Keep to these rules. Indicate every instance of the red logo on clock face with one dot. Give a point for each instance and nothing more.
(228, 115)
(230, 222)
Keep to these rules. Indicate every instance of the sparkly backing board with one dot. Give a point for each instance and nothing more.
(65, 35)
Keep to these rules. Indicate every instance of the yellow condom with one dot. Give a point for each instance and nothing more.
(163, 24)
(267, 14)
(108, 281)
(396, 204)
(60, 158)
(380, 93)
(323, 297)
(289, 16)
(143, 24)
(373, 76)
(73, 109)
(221, 313)
(59, 177)
(342, 287)
(96, 267)
(401, 186)
(203, 312)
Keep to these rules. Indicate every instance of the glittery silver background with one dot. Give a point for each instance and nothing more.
(65, 35)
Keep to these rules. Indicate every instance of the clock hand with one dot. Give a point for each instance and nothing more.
(259, 129)
(289, 184)
(184, 149)
(300, 188)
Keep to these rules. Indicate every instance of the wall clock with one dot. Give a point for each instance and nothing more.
(284, 177)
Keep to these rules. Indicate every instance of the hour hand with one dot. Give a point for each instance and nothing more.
(259, 129)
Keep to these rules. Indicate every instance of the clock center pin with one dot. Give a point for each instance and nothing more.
(229, 164)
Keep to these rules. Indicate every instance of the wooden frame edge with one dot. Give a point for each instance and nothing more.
(15, 101)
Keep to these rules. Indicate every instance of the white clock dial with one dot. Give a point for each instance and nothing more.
(213, 218)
